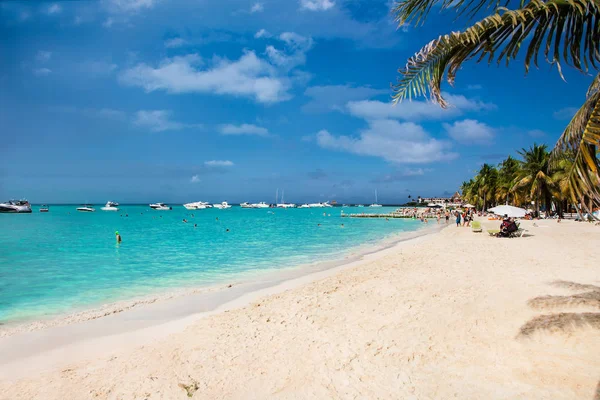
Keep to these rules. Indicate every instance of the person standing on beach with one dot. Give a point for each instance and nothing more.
(457, 219)
(447, 217)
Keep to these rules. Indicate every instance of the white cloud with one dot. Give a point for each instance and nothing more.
(335, 97)
(108, 23)
(396, 142)
(159, 121)
(175, 42)
(405, 174)
(249, 76)
(42, 71)
(130, 5)
(263, 33)
(43, 56)
(470, 131)
(316, 5)
(218, 163)
(195, 179)
(54, 9)
(294, 54)
(243, 129)
(257, 7)
(416, 110)
(565, 113)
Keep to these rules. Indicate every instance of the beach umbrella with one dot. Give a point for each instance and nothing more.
(513, 212)
(469, 206)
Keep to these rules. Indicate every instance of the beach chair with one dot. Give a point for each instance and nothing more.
(476, 226)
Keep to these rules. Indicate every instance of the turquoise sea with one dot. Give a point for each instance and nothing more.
(64, 260)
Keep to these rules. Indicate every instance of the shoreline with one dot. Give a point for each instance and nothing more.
(106, 329)
(252, 278)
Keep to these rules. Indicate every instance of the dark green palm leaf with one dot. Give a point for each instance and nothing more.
(563, 25)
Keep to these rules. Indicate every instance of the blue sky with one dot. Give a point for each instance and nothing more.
(180, 100)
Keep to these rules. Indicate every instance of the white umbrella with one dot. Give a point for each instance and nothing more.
(469, 206)
(513, 212)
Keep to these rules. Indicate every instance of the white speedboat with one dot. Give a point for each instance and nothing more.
(359, 205)
(86, 208)
(15, 207)
(304, 206)
(262, 204)
(286, 205)
(224, 205)
(246, 205)
(44, 208)
(110, 206)
(319, 205)
(160, 207)
(197, 205)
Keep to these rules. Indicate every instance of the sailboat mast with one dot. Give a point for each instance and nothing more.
(276, 195)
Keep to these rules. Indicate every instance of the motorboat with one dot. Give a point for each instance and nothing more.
(222, 206)
(326, 204)
(262, 204)
(160, 207)
(286, 205)
(110, 206)
(359, 205)
(15, 207)
(304, 206)
(320, 205)
(197, 205)
(246, 205)
(44, 208)
(86, 208)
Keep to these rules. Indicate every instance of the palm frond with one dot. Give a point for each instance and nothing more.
(581, 139)
(407, 11)
(570, 30)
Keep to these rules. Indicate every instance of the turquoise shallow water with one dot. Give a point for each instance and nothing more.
(61, 261)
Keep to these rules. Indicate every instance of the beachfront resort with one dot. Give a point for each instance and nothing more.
(309, 199)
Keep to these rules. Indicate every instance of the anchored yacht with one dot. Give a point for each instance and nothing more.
(44, 208)
(15, 207)
(246, 205)
(86, 208)
(304, 206)
(262, 204)
(224, 205)
(110, 206)
(160, 207)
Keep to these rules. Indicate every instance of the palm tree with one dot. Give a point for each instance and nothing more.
(486, 180)
(565, 30)
(507, 174)
(534, 177)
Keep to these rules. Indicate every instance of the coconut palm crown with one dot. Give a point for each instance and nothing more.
(567, 32)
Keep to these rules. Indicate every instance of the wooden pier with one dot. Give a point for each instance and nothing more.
(392, 215)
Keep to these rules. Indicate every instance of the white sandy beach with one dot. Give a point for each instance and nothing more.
(451, 315)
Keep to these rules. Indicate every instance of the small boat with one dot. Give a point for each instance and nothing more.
(44, 208)
(262, 204)
(110, 206)
(222, 206)
(15, 207)
(246, 205)
(304, 206)
(86, 208)
(375, 204)
(160, 207)
(359, 205)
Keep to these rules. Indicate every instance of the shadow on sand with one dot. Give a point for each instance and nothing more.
(565, 322)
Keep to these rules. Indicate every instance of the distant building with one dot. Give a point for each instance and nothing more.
(454, 201)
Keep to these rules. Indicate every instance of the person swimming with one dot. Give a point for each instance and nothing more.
(185, 220)
(119, 240)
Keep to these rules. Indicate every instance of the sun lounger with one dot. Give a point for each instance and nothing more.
(476, 226)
